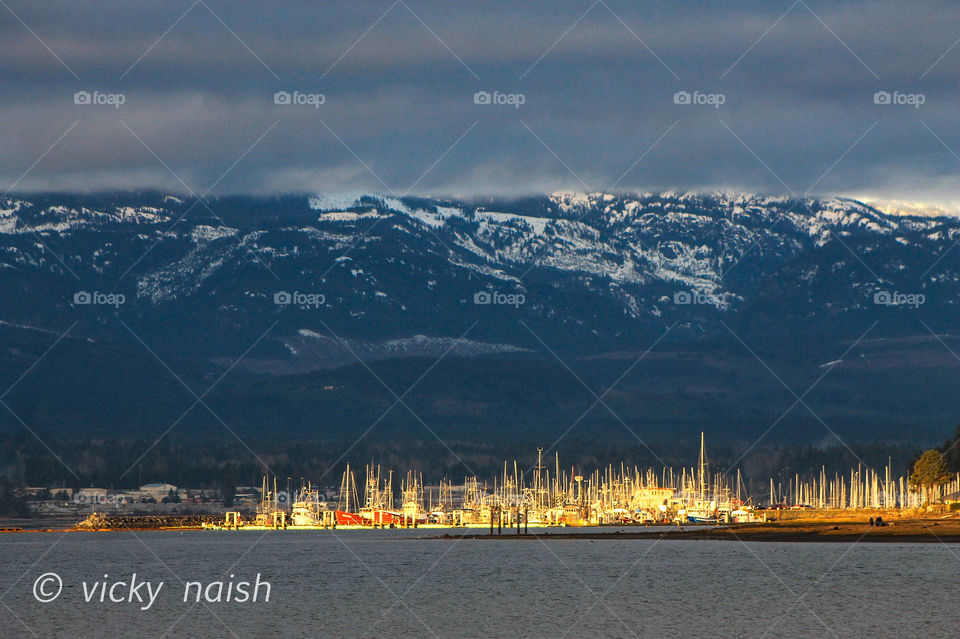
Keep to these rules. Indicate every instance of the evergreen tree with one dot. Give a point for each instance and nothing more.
(929, 472)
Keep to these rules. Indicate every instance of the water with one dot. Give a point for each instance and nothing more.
(387, 584)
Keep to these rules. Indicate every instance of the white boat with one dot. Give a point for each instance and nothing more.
(308, 508)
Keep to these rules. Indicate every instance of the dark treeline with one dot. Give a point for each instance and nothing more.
(222, 464)
(12, 504)
(951, 452)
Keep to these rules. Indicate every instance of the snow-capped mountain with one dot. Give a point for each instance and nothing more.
(387, 276)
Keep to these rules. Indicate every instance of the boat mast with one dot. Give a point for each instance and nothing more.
(702, 471)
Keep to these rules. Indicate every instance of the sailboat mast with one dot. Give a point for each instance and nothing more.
(702, 470)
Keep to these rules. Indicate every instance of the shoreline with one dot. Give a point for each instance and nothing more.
(904, 530)
(818, 531)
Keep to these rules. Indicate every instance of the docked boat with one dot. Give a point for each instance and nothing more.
(308, 508)
(347, 501)
(701, 516)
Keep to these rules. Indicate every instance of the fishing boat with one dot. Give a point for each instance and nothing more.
(348, 500)
(308, 508)
(270, 511)
(411, 511)
(702, 516)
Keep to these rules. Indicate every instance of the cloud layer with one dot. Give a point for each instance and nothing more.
(861, 98)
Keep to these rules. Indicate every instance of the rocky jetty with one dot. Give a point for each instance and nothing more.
(103, 521)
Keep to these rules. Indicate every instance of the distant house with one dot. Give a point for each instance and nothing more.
(951, 499)
(157, 491)
(247, 494)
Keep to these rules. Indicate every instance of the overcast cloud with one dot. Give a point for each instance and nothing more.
(598, 84)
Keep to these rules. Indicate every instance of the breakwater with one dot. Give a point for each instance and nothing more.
(102, 521)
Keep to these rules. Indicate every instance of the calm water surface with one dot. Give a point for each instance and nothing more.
(386, 584)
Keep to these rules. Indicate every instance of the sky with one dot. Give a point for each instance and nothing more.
(483, 98)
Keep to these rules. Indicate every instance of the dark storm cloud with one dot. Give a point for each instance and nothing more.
(598, 83)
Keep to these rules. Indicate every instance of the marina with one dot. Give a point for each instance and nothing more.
(542, 496)
(550, 496)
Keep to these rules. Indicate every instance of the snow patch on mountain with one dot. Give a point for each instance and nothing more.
(537, 224)
(8, 220)
(345, 216)
(334, 201)
(140, 214)
(418, 344)
(203, 233)
(188, 274)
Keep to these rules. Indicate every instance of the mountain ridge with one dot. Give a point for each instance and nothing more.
(592, 271)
